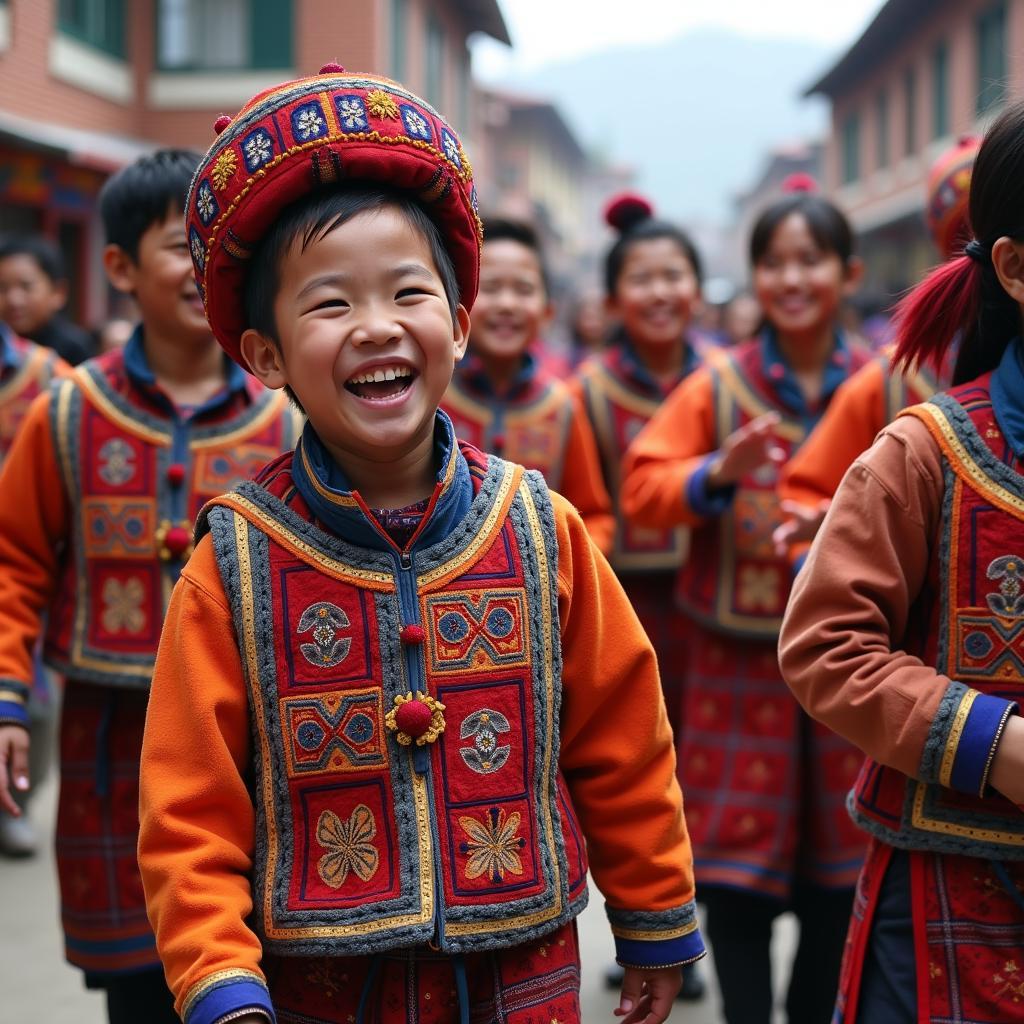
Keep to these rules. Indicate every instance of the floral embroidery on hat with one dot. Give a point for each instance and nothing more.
(195, 243)
(493, 845)
(257, 148)
(451, 148)
(416, 124)
(308, 122)
(381, 104)
(348, 845)
(223, 167)
(206, 203)
(351, 113)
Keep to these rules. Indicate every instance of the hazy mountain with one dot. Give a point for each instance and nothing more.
(695, 114)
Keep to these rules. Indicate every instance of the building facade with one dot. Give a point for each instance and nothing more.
(86, 85)
(922, 74)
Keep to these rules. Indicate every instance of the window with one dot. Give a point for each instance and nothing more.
(851, 149)
(910, 112)
(991, 34)
(99, 23)
(435, 62)
(940, 91)
(882, 130)
(214, 35)
(399, 29)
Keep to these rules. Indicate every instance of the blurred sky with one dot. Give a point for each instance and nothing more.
(548, 31)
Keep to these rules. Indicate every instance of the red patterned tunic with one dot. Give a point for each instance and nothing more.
(26, 370)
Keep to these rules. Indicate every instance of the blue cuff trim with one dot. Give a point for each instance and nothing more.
(659, 952)
(13, 713)
(981, 733)
(230, 997)
(702, 501)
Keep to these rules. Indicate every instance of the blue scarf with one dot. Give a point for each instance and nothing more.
(787, 387)
(1007, 392)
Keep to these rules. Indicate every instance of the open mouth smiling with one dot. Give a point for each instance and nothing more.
(381, 383)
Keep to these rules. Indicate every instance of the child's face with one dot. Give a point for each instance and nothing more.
(799, 285)
(656, 292)
(367, 342)
(512, 306)
(162, 282)
(29, 299)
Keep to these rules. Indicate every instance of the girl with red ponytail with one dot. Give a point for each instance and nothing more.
(905, 634)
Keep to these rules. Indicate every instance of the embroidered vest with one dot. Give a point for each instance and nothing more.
(136, 482)
(37, 366)
(618, 412)
(733, 580)
(367, 840)
(532, 431)
(968, 622)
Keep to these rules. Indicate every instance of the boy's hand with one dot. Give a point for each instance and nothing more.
(1007, 772)
(745, 450)
(647, 996)
(13, 765)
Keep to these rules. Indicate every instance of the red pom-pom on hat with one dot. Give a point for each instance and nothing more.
(332, 68)
(799, 182)
(626, 210)
(221, 123)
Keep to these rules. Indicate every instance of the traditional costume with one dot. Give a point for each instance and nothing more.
(539, 423)
(100, 492)
(383, 796)
(26, 370)
(927, 643)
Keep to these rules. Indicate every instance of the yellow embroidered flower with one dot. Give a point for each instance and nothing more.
(759, 588)
(493, 845)
(381, 104)
(122, 606)
(348, 846)
(224, 166)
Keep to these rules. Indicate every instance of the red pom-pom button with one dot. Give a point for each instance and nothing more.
(412, 634)
(331, 68)
(175, 474)
(413, 718)
(221, 123)
(177, 540)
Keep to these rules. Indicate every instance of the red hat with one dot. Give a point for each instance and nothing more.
(314, 132)
(948, 196)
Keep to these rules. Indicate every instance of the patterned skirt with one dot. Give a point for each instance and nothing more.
(765, 786)
(103, 909)
(968, 923)
(537, 983)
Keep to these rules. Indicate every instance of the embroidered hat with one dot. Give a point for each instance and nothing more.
(948, 196)
(315, 132)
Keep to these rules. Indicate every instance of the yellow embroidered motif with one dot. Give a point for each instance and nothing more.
(493, 845)
(122, 606)
(348, 845)
(225, 165)
(381, 104)
(759, 588)
(1009, 982)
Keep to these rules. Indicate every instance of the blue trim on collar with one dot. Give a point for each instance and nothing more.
(634, 366)
(472, 373)
(1007, 393)
(785, 385)
(8, 357)
(346, 517)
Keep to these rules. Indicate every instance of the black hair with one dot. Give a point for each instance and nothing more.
(826, 222)
(644, 228)
(45, 253)
(141, 194)
(506, 229)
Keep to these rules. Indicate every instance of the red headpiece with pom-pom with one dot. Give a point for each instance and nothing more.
(626, 210)
(312, 133)
(800, 181)
(948, 196)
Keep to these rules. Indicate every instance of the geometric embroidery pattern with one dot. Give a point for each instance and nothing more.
(485, 756)
(989, 647)
(334, 731)
(348, 845)
(324, 620)
(472, 631)
(118, 526)
(123, 610)
(1009, 602)
(117, 461)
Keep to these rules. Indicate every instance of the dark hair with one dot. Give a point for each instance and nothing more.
(639, 227)
(826, 222)
(45, 253)
(506, 229)
(963, 296)
(141, 194)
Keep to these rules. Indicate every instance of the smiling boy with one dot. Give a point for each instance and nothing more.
(398, 686)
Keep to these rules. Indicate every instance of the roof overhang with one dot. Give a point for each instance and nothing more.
(485, 16)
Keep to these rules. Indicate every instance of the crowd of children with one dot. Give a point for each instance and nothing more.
(381, 634)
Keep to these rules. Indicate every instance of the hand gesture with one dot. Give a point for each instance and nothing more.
(13, 765)
(745, 450)
(647, 996)
(802, 523)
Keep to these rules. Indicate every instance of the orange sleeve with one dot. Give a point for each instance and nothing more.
(849, 426)
(665, 455)
(583, 482)
(197, 825)
(618, 758)
(34, 520)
